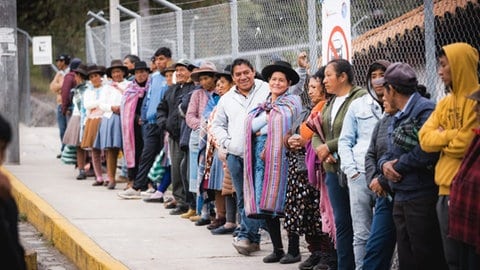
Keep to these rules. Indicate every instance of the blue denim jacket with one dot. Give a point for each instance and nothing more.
(358, 124)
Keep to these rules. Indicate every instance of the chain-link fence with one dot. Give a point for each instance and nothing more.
(264, 31)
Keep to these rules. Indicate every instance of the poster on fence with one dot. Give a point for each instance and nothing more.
(336, 31)
(42, 50)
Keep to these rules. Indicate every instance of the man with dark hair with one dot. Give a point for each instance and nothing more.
(449, 129)
(229, 132)
(129, 61)
(410, 172)
(152, 134)
(169, 119)
(11, 251)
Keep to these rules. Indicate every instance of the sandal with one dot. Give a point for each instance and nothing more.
(97, 183)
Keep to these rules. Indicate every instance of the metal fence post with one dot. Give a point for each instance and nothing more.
(312, 34)
(430, 60)
(25, 115)
(99, 17)
(91, 55)
(234, 27)
(179, 22)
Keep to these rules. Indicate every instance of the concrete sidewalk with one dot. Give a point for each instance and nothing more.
(98, 230)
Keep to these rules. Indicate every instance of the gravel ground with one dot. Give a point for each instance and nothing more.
(48, 258)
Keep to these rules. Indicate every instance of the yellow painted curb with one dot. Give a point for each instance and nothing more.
(67, 238)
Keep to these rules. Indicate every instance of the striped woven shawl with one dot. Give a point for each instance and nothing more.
(127, 112)
(281, 115)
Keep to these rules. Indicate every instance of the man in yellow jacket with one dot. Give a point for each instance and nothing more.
(449, 129)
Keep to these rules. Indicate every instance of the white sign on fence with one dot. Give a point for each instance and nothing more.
(42, 50)
(133, 38)
(336, 31)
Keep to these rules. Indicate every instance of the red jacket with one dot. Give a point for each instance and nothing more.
(464, 209)
(68, 84)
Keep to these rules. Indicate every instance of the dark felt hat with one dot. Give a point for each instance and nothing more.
(116, 63)
(141, 65)
(186, 63)
(81, 69)
(93, 68)
(283, 67)
(227, 72)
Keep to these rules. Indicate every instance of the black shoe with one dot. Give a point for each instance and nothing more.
(178, 211)
(289, 258)
(311, 262)
(156, 200)
(328, 261)
(59, 156)
(202, 222)
(274, 257)
(222, 230)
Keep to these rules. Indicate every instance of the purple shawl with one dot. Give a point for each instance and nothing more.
(127, 112)
(281, 115)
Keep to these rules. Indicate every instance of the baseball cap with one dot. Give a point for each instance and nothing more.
(63, 57)
(400, 74)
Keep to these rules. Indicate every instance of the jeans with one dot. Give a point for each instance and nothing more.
(62, 124)
(381, 243)
(152, 144)
(339, 200)
(418, 235)
(248, 227)
(451, 247)
(166, 180)
(362, 201)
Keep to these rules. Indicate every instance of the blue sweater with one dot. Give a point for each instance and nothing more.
(415, 165)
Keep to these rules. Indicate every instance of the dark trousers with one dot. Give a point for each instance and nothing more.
(176, 157)
(152, 144)
(340, 202)
(190, 198)
(381, 242)
(418, 235)
(62, 124)
(451, 247)
(132, 172)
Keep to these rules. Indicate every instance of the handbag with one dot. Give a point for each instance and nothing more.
(301, 166)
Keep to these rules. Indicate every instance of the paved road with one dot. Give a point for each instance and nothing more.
(139, 235)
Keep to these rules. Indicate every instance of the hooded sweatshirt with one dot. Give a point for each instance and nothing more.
(454, 114)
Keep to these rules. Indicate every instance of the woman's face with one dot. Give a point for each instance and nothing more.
(223, 85)
(315, 91)
(278, 84)
(377, 74)
(117, 75)
(332, 82)
(95, 79)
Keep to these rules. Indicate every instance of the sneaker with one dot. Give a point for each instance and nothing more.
(130, 193)
(289, 258)
(195, 218)
(81, 175)
(244, 246)
(311, 262)
(222, 230)
(202, 222)
(148, 192)
(178, 210)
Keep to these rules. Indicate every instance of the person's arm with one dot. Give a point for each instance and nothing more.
(432, 136)
(56, 83)
(220, 126)
(162, 112)
(371, 157)
(192, 117)
(302, 62)
(346, 142)
(90, 100)
(68, 84)
(458, 145)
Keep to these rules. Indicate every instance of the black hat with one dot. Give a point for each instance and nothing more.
(116, 63)
(93, 68)
(82, 69)
(283, 67)
(399, 74)
(140, 65)
(63, 57)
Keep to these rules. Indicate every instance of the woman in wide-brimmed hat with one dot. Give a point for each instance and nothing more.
(109, 137)
(93, 117)
(74, 131)
(265, 159)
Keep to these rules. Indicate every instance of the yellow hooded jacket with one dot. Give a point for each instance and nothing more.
(454, 114)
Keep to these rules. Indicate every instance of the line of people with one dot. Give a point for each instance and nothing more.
(358, 171)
